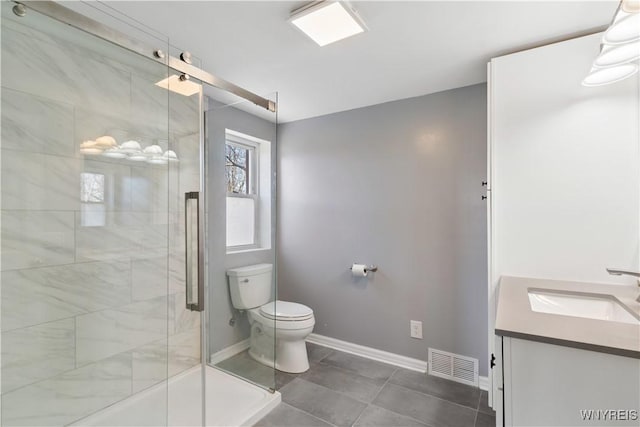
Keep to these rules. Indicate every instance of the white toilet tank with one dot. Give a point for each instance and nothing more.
(250, 286)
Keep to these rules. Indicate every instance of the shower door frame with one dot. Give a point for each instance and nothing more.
(183, 65)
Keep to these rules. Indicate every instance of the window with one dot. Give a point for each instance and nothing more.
(92, 198)
(249, 192)
(241, 171)
(91, 188)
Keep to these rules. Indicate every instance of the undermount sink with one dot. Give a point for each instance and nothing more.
(591, 306)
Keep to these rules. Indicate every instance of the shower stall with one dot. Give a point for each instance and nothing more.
(115, 221)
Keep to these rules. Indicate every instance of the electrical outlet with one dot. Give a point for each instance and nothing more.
(416, 329)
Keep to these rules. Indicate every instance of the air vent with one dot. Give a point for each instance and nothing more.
(453, 367)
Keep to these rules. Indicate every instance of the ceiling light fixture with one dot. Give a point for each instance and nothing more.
(131, 147)
(114, 153)
(620, 47)
(326, 22)
(631, 6)
(170, 155)
(605, 76)
(625, 29)
(137, 157)
(617, 55)
(90, 147)
(176, 84)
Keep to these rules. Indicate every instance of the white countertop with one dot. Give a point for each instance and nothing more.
(515, 318)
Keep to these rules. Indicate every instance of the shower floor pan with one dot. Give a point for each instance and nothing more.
(230, 401)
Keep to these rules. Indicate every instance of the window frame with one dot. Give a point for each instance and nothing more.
(253, 182)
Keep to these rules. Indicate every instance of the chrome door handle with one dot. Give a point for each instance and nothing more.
(245, 281)
(194, 283)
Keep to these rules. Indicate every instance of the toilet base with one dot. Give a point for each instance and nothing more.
(290, 348)
(291, 357)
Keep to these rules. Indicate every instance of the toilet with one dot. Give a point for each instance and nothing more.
(289, 323)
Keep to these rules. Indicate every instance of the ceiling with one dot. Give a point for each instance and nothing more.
(411, 48)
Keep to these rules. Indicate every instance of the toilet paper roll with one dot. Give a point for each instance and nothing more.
(359, 270)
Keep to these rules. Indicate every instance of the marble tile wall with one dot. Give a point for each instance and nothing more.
(51, 352)
(74, 394)
(93, 303)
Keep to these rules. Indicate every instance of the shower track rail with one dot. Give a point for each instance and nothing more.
(81, 22)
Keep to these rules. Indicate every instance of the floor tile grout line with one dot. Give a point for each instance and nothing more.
(386, 409)
(372, 404)
(483, 412)
(396, 369)
(374, 398)
(475, 420)
(307, 413)
(375, 361)
(326, 355)
(330, 389)
(435, 397)
(353, 373)
(359, 415)
(403, 415)
(367, 404)
(304, 412)
(441, 398)
(349, 371)
(450, 383)
(383, 385)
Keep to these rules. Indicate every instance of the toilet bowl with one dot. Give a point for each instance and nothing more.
(290, 324)
(278, 328)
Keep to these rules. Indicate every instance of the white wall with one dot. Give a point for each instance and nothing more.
(565, 166)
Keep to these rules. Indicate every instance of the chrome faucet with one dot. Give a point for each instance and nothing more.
(617, 272)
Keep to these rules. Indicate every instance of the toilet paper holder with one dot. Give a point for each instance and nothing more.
(371, 268)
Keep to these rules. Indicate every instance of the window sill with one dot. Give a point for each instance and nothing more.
(244, 251)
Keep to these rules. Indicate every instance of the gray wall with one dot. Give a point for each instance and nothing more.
(218, 119)
(398, 185)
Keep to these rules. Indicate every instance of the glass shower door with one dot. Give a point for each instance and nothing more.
(96, 158)
(186, 252)
(241, 189)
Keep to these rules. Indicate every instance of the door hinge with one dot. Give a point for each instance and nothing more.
(493, 360)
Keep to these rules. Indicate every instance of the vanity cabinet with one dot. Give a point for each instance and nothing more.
(562, 203)
(553, 385)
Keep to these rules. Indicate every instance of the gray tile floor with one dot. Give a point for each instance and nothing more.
(341, 389)
(246, 367)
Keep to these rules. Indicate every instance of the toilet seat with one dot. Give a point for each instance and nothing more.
(284, 316)
(285, 311)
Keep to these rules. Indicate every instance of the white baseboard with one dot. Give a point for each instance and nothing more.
(227, 352)
(370, 353)
(483, 383)
(379, 355)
